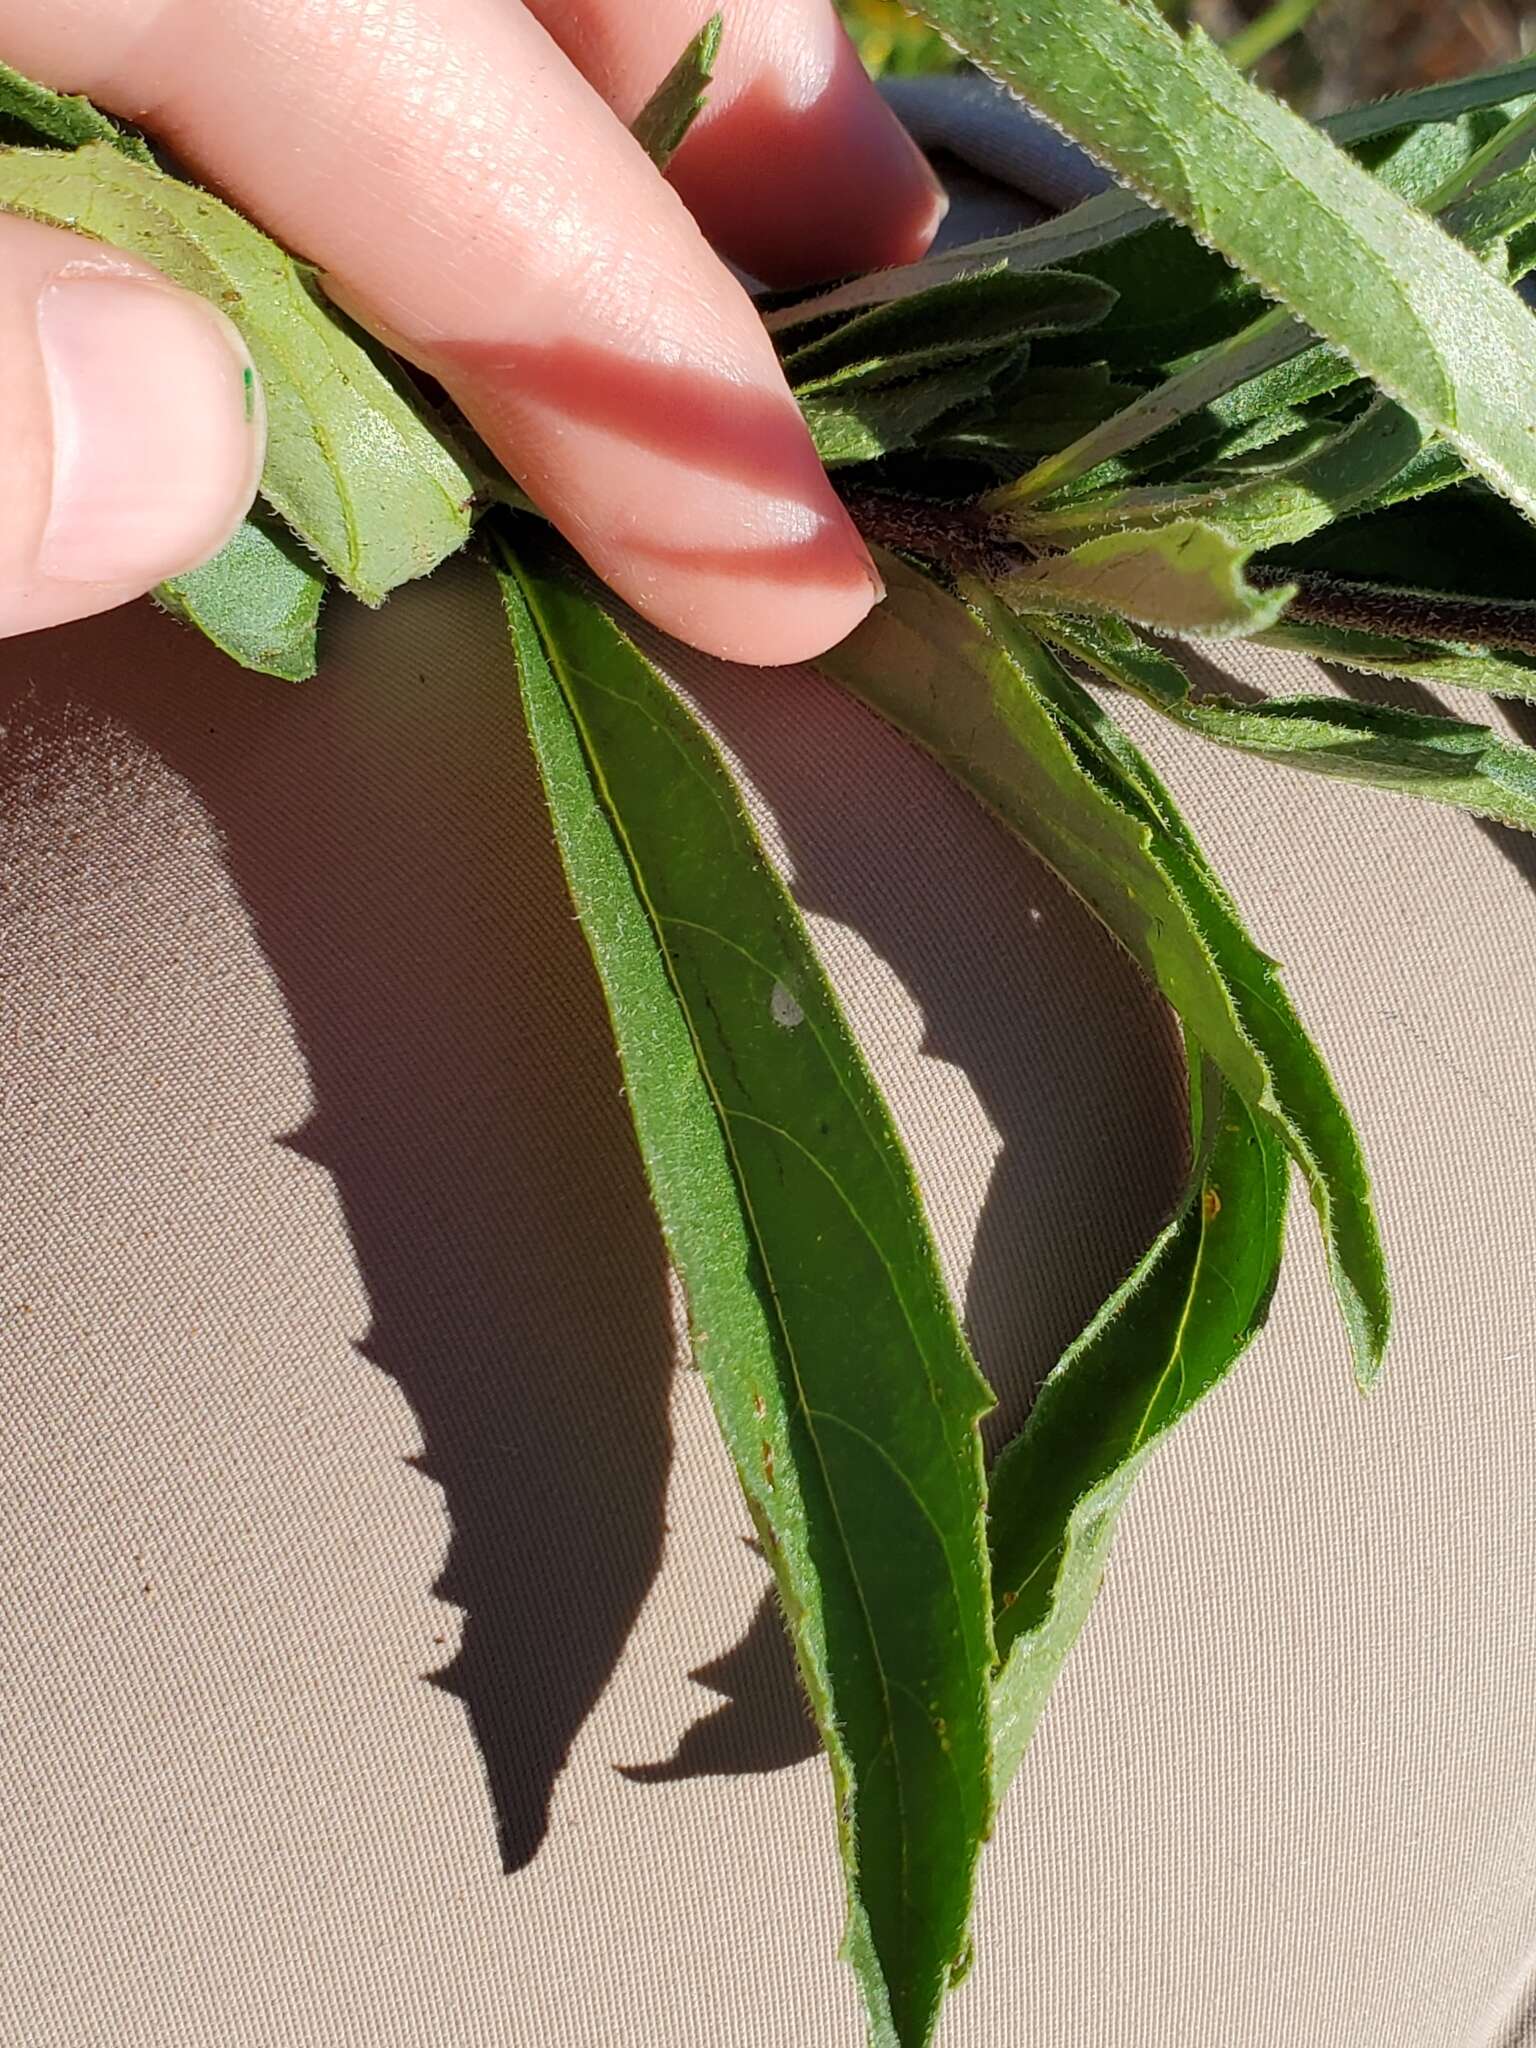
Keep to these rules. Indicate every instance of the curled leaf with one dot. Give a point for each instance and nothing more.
(353, 465)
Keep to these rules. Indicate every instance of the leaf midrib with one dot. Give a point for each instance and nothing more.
(562, 674)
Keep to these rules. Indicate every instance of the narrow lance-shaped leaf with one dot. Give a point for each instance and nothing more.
(1282, 506)
(991, 310)
(820, 1320)
(352, 466)
(30, 112)
(1274, 362)
(1416, 141)
(1381, 653)
(1054, 244)
(1160, 1342)
(1413, 142)
(678, 101)
(1306, 1109)
(983, 695)
(1440, 759)
(1416, 313)
(860, 423)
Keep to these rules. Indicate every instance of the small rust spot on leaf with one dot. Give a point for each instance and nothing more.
(1210, 1204)
(768, 1463)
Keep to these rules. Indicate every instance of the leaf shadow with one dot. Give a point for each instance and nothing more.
(1072, 1057)
(386, 834)
(1401, 693)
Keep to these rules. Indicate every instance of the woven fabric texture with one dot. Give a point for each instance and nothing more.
(383, 1661)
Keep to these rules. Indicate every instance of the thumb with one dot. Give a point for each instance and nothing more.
(131, 422)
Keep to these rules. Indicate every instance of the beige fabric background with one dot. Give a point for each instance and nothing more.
(358, 1529)
(359, 1532)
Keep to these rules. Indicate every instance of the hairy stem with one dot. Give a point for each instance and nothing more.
(966, 539)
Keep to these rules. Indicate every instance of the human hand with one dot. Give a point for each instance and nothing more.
(462, 173)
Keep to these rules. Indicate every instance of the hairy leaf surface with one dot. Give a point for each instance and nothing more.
(1463, 667)
(678, 101)
(1184, 576)
(860, 423)
(258, 601)
(1441, 759)
(820, 1320)
(1414, 311)
(30, 112)
(1161, 1341)
(982, 693)
(990, 310)
(352, 465)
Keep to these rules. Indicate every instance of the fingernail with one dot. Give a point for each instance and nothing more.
(872, 575)
(158, 429)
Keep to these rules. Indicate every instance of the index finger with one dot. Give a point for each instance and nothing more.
(472, 199)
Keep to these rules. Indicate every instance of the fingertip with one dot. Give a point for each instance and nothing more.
(133, 423)
(837, 186)
(771, 628)
(746, 595)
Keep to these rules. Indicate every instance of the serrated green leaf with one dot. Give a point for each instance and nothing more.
(1182, 576)
(30, 112)
(1163, 1339)
(980, 692)
(993, 310)
(352, 465)
(258, 601)
(821, 1324)
(678, 101)
(1441, 759)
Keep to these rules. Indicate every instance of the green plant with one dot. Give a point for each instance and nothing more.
(892, 40)
(1280, 387)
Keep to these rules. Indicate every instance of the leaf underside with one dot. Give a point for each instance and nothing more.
(353, 464)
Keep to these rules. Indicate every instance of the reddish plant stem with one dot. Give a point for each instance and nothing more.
(967, 541)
